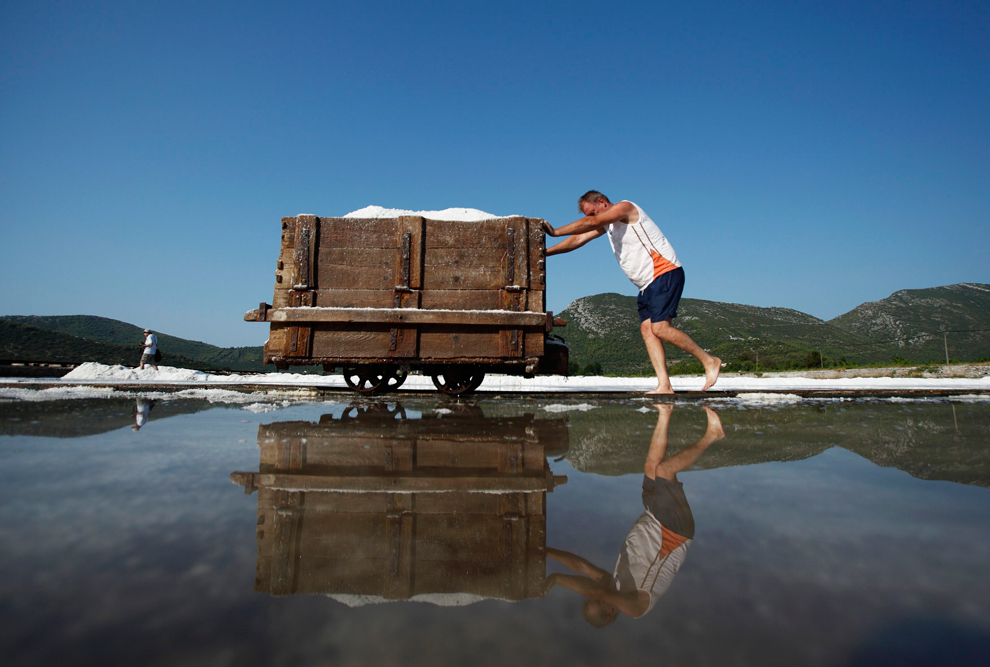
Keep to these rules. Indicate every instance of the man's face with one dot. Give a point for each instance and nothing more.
(591, 210)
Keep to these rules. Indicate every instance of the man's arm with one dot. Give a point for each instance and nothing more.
(617, 213)
(574, 242)
(576, 563)
(632, 603)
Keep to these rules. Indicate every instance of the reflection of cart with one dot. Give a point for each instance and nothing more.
(370, 507)
(382, 297)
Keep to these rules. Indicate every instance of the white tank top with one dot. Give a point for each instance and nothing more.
(642, 250)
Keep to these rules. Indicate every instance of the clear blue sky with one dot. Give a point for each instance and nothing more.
(809, 156)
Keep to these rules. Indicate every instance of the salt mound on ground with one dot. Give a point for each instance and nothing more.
(92, 370)
(462, 214)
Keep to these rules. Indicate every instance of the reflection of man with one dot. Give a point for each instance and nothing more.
(142, 410)
(655, 546)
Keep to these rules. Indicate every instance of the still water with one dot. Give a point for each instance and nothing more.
(435, 532)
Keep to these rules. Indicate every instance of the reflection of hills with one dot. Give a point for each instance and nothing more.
(373, 507)
(81, 417)
(919, 439)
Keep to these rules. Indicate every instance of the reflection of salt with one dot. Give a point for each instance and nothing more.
(261, 407)
(557, 407)
(439, 599)
(757, 398)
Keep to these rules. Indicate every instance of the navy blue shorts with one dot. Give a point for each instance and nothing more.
(658, 302)
(668, 505)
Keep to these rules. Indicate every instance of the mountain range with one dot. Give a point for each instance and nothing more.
(603, 333)
(908, 325)
(77, 338)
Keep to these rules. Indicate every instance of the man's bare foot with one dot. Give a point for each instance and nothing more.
(711, 373)
(715, 430)
(664, 408)
(661, 391)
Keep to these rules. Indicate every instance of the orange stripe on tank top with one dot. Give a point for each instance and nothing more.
(671, 540)
(661, 264)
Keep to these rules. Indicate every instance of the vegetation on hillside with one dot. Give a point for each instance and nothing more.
(26, 343)
(604, 329)
(106, 330)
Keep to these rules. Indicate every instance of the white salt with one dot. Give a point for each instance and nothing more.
(460, 214)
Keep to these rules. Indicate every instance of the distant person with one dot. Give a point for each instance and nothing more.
(649, 260)
(142, 410)
(150, 350)
(656, 545)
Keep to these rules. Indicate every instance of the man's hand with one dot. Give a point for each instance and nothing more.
(548, 228)
(550, 583)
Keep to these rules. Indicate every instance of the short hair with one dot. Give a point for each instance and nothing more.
(599, 615)
(591, 197)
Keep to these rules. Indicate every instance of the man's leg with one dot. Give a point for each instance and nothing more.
(658, 444)
(668, 468)
(666, 332)
(658, 357)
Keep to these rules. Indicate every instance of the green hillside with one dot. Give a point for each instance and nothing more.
(106, 330)
(604, 329)
(28, 343)
(908, 323)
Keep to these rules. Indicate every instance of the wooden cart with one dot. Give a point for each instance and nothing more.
(383, 508)
(379, 298)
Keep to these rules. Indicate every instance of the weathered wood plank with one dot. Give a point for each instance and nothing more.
(497, 318)
(414, 227)
(457, 454)
(461, 300)
(357, 257)
(484, 234)
(346, 276)
(466, 276)
(449, 343)
(537, 254)
(533, 343)
(304, 252)
(369, 343)
(358, 233)
(402, 484)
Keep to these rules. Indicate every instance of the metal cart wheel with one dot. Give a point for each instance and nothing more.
(374, 380)
(458, 382)
(396, 380)
(365, 381)
(373, 410)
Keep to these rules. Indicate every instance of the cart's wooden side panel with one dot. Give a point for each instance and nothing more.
(408, 262)
(396, 546)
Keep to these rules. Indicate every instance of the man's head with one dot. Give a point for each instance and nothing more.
(147, 331)
(593, 202)
(599, 613)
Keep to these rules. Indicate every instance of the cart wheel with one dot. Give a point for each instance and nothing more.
(373, 410)
(458, 382)
(395, 380)
(366, 381)
(477, 379)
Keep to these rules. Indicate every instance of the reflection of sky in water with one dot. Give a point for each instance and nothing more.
(124, 547)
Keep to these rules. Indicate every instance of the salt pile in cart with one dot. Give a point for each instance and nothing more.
(380, 297)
